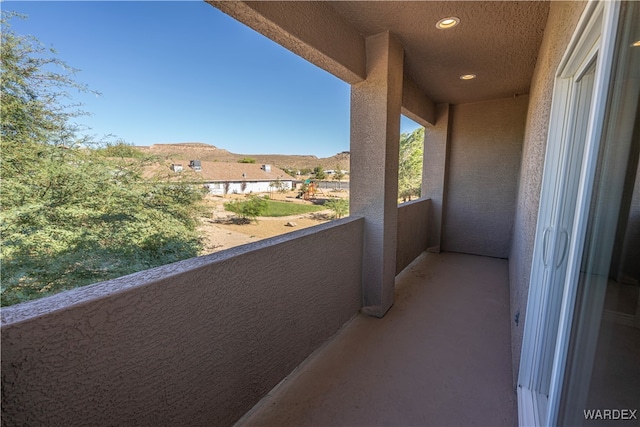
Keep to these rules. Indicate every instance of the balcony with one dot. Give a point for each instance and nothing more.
(201, 341)
(277, 332)
(441, 356)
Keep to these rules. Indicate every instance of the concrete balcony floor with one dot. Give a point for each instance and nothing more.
(440, 357)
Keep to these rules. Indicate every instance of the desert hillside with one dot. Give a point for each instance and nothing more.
(197, 150)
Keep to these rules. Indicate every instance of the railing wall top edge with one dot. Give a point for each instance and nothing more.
(31, 309)
(414, 202)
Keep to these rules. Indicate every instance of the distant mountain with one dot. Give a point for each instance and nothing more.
(197, 150)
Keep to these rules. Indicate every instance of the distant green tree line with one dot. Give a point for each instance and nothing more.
(410, 164)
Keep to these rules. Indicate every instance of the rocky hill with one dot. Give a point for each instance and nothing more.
(196, 150)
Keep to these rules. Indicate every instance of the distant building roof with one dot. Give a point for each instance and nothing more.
(222, 171)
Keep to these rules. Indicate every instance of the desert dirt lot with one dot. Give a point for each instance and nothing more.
(220, 233)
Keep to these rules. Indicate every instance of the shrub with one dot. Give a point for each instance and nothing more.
(340, 207)
(248, 209)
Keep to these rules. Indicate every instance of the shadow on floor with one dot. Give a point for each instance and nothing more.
(440, 357)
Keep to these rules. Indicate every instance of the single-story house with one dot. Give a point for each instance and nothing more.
(243, 178)
(224, 177)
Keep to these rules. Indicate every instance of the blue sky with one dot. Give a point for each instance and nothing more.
(186, 72)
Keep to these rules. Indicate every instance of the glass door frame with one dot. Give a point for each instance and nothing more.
(593, 39)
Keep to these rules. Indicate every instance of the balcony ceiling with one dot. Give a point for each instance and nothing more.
(497, 41)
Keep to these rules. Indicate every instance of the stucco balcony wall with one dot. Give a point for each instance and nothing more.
(197, 342)
(440, 357)
(413, 226)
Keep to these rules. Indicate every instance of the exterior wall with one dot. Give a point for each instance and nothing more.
(197, 342)
(252, 187)
(483, 166)
(562, 20)
(434, 173)
(413, 228)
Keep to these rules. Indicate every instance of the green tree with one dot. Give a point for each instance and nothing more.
(410, 164)
(338, 176)
(318, 171)
(278, 185)
(289, 171)
(69, 214)
(36, 86)
(121, 149)
(247, 160)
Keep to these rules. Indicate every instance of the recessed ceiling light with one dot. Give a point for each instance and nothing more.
(446, 23)
(467, 76)
(636, 44)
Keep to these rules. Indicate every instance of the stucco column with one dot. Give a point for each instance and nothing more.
(434, 173)
(375, 135)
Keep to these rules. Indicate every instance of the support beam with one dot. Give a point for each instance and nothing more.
(434, 173)
(375, 130)
(317, 33)
(312, 30)
(416, 105)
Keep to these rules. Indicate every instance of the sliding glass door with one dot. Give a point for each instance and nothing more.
(601, 381)
(587, 183)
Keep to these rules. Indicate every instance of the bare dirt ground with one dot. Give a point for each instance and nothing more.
(220, 233)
